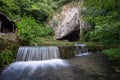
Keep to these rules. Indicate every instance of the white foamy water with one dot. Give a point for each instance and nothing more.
(83, 54)
(23, 70)
(81, 49)
(54, 63)
(37, 53)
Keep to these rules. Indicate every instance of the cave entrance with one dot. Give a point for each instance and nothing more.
(6, 25)
(73, 36)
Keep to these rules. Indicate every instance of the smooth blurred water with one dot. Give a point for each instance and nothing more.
(54, 69)
(37, 53)
(38, 63)
(81, 48)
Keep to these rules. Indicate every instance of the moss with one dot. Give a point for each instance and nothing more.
(67, 52)
(8, 50)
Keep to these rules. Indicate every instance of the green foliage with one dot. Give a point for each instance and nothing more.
(107, 34)
(6, 57)
(55, 23)
(30, 30)
(8, 8)
(63, 2)
(113, 53)
(41, 10)
(104, 17)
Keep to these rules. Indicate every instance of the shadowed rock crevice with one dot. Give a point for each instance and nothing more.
(73, 36)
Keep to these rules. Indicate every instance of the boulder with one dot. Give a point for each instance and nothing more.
(66, 24)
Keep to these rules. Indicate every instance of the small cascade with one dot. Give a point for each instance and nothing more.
(38, 63)
(81, 49)
(37, 53)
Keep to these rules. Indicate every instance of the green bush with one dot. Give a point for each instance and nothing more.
(29, 30)
(63, 2)
(104, 18)
(6, 57)
(113, 53)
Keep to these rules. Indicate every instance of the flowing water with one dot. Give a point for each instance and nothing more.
(38, 63)
(81, 50)
(54, 69)
(37, 53)
(32, 65)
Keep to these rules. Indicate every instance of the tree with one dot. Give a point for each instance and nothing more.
(104, 16)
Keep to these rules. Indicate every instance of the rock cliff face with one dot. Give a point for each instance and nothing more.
(66, 24)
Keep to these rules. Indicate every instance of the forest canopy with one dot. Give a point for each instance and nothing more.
(41, 10)
(104, 17)
(31, 16)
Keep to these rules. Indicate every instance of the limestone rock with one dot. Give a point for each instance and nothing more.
(66, 24)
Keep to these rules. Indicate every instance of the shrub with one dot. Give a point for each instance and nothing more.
(6, 57)
(29, 30)
(104, 18)
(113, 53)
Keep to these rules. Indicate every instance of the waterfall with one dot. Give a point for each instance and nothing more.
(81, 49)
(37, 53)
(38, 63)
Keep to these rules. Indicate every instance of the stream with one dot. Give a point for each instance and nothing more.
(93, 67)
(44, 63)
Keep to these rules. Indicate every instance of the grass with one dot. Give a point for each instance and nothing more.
(46, 41)
(51, 41)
